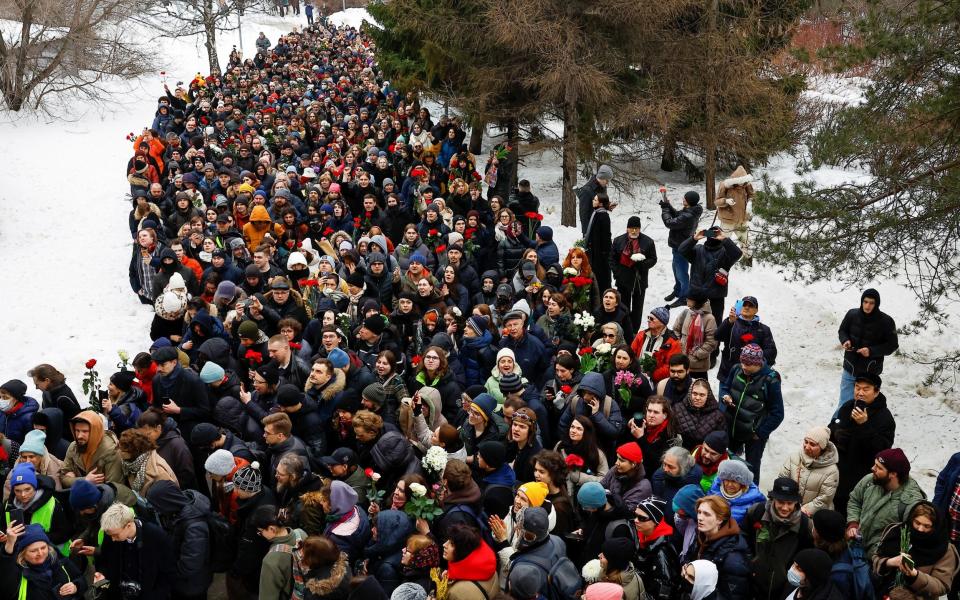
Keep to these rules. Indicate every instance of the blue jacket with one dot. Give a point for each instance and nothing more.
(946, 482)
(739, 505)
(502, 476)
(478, 358)
(16, 423)
(548, 253)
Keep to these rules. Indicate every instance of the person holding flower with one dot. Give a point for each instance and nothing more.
(557, 322)
(626, 382)
(580, 285)
(632, 255)
(511, 241)
(585, 460)
(656, 342)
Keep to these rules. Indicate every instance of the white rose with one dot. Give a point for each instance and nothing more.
(418, 490)
(603, 348)
(375, 477)
(570, 271)
(637, 257)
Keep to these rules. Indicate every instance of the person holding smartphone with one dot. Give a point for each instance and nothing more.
(927, 566)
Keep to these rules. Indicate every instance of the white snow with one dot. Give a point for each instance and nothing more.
(66, 245)
(353, 17)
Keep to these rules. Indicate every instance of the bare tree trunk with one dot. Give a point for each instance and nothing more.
(210, 37)
(477, 126)
(568, 213)
(668, 159)
(710, 147)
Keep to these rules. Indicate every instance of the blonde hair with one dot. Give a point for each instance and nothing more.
(116, 516)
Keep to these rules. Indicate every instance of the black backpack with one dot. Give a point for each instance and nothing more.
(563, 578)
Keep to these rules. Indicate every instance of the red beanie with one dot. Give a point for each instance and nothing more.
(632, 452)
(893, 459)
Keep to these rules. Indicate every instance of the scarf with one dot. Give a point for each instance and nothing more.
(135, 471)
(629, 249)
(424, 558)
(654, 432)
(42, 574)
(711, 469)
(663, 529)
(925, 548)
(694, 333)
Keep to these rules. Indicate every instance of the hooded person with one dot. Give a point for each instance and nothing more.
(93, 450)
(16, 410)
(867, 335)
(535, 544)
(701, 578)
(810, 574)
(51, 421)
(184, 515)
(386, 550)
(348, 526)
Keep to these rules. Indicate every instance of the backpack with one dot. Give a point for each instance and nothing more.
(611, 528)
(479, 519)
(222, 543)
(298, 571)
(858, 572)
(563, 577)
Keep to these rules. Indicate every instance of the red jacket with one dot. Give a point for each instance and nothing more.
(669, 347)
(144, 381)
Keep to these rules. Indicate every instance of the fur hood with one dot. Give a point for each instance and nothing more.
(327, 585)
(738, 177)
(333, 387)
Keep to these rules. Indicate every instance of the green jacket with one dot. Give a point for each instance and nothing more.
(106, 460)
(875, 508)
(276, 572)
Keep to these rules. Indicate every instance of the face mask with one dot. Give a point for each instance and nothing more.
(5, 404)
(794, 578)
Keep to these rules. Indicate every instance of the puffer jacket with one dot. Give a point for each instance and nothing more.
(705, 261)
(757, 403)
(876, 331)
(393, 457)
(817, 477)
(474, 577)
(184, 514)
(740, 504)
(393, 528)
(734, 336)
(658, 564)
(608, 424)
(699, 356)
(630, 491)
(693, 424)
(874, 508)
(16, 422)
(478, 357)
(681, 223)
(728, 550)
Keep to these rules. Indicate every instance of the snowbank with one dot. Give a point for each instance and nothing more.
(352, 17)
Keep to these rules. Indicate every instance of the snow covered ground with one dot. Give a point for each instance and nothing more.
(67, 248)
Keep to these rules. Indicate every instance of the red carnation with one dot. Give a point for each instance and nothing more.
(530, 215)
(253, 356)
(747, 338)
(441, 248)
(415, 361)
(327, 231)
(368, 472)
(307, 282)
(433, 232)
(585, 350)
(573, 460)
(356, 221)
(566, 389)
(538, 216)
(91, 363)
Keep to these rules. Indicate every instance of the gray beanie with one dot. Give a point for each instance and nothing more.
(409, 591)
(735, 470)
(220, 463)
(248, 479)
(605, 172)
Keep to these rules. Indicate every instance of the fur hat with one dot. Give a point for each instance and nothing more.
(735, 470)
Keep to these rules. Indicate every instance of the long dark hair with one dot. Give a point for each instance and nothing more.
(587, 447)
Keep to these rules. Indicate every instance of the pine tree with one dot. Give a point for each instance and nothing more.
(904, 218)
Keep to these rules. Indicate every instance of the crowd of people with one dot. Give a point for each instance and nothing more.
(373, 374)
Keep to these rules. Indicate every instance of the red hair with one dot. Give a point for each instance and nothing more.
(585, 270)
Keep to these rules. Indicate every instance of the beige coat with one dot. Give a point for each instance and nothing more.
(700, 356)
(467, 590)
(733, 194)
(817, 478)
(157, 469)
(933, 581)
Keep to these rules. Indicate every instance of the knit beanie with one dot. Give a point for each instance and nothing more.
(23, 474)
(603, 590)
(409, 591)
(654, 507)
(15, 388)
(35, 441)
(248, 479)
(717, 441)
(752, 354)
(338, 358)
(84, 495)
(735, 470)
(493, 452)
(592, 496)
(506, 352)
(632, 452)
(204, 434)
(686, 499)
(270, 373)
(249, 330)
(32, 534)
(830, 525)
(618, 552)
(123, 380)
(510, 383)
(819, 435)
(211, 372)
(486, 403)
(692, 197)
(893, 459)
(535, 491)
(478, 324)
(662, 314)
(220, 463)
(526, 581)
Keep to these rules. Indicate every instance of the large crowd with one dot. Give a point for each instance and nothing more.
(373, 374)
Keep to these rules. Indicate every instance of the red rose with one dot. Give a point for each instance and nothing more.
(538, 216)
(416, 360)
(566, 389)
(328, 231)
(530, 215)
(433, 232)
(573, 460)
(747, 338)
(253, 356)
(585, 350)
(368, 472)
(441, 248)
(91, 363)
(356, 221)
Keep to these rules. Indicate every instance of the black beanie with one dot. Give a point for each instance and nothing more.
(692, 198)
(123, 380)
(617, 551)
(494, 453)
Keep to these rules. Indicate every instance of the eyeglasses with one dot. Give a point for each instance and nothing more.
(431, 357)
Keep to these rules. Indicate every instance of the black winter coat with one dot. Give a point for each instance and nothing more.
(149, 561)
(637, 273)
(658, 565)
(858, 445)
(62, 397)
(705, 260)
(681, 223)
(184, 387)
(773, 545)
(731, 555)
(174, 449)
(63, 572)
(251, 547)
(876, 331)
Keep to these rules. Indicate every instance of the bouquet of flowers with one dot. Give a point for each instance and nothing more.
(595, 358)
(421, 506)
(626, 382)
(533, 222)
(648, 363)
(577, 290)
(435, 461)
(310, 292)
(433, 239)
(373, 494)
(583, 324)
(574, 462)
(91, 385)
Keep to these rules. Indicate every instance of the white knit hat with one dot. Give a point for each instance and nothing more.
(220, 463)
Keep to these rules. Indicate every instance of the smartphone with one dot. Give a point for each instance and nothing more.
(710, 233)
(860, 404)
(908, 560)
(16, 514)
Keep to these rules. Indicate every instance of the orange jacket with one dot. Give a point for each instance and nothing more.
(668, 348)
(193, 266)
(260, 223)
(156, 151)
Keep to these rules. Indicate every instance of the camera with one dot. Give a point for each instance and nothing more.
(711, 233)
